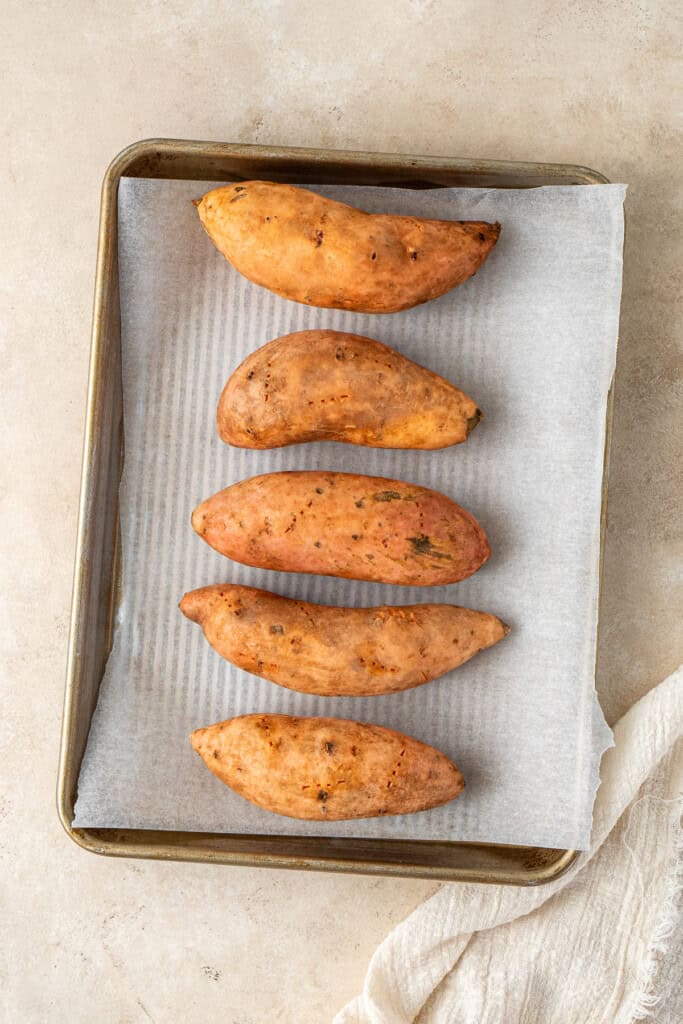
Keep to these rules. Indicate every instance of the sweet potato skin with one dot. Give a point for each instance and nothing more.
(335, 652)
(323, 385)
(344, 524)
(326, 769)
(325, 253)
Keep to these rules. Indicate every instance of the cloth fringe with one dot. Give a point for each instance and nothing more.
(648, 999)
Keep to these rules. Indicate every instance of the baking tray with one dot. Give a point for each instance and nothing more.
(97, 576)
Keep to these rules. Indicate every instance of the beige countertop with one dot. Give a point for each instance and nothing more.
(596, 84)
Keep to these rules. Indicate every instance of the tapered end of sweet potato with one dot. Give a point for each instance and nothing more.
(192, 605)
(197, 740)
(199, 519)
(197, 605)
(472, 421)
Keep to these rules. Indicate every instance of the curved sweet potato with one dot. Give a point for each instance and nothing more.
(338, 652)
(331, 386)
(326, 769)
(344, 524)
(324, 253)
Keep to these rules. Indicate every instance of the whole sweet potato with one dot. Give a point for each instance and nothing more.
(337, 652)
(326, 769)
(331, 386)
(344, 524)
(325, 253)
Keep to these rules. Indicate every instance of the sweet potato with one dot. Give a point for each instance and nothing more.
(344, 524)
(325, 253)
(331, 386)
(337, 652)
(326, 769)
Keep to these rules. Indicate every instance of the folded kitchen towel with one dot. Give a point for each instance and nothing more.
(585, 949)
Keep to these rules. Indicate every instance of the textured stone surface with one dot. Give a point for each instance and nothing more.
(579, 82)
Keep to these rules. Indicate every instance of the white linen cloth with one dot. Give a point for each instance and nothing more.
(584, 949)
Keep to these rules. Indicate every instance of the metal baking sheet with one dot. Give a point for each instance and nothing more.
(96, 581)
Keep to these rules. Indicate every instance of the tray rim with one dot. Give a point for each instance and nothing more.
(534, 865)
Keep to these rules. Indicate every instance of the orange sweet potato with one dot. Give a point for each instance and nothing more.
(344, 524)
(331, 386)
(325, 253)
(338, 652)
(326, 769)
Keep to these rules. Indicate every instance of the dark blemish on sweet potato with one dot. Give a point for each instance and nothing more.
(317, 544)
(354, 751)
(250, 375)
(277, 629)
(482, 237)
(386, 496)
(216, 754)
(239, 188)
(329, 747)
(237, 612)
(339, 354)
(355, 536)
(319, 490)
(374, 256)
(322, 795)
(319, 238)
(422, 545)
(240, 195)
(413, 255)
(360, 504)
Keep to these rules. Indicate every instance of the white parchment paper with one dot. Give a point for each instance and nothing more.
(532, 337)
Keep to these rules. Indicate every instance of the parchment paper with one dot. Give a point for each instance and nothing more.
(532, 337)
